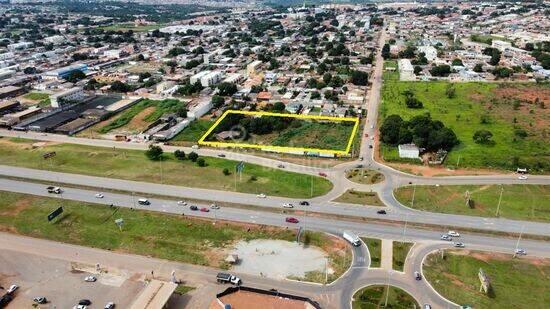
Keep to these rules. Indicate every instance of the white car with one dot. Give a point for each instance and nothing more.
(453, 234)
(522, 177)
(520, 252)
(459, 245)
(182, 203)
(215, 206)
(99, 195)
(288, 205)
(80, 307)
(90, 279)
(12, 288)
(110, 305)
(372, 126)
(446, 237)
(261, 195)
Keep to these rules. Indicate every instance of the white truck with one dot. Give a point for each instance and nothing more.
(54, 190)
(352, 238)
(228, 278)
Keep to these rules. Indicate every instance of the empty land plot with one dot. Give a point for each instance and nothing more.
(282, 132)
(515, 114)
(359, 197)
(520, 202)
(134, 165)
(515, 283)
(193, 132)
(364, 176)
(375, 250)
(374, 296)
(400, 252)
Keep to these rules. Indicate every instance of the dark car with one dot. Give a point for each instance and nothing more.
(322, 174)
(40, 300)
(193, 207)
(84, 302)
(417, 276)
(221, 155)
(304, 203)
(381, 212)
(291, 220)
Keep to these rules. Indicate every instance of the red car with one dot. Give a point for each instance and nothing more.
(204, 209)
(292, 220)
(322, 174)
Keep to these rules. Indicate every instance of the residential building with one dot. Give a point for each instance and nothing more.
(66, 97)
(406, 70)
(410, 151)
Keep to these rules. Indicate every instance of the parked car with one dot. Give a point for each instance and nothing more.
(84, 302)
(80, 307)
(261, 195)
(322, 174)
(426, 306)
(522, 177)
(40, 300)
(288, 205)
(520, 252)
(215, 206)
(193, 208)
(446, 237)
(99, 195)
(291, 220)
(453, 234)
(204, 209)
(459, 245)
(304, 203)
(360, 158)
(228, 278)
(182, 203)
(417, 276)
(110, 305)
(90, 279)
(381, 212)
(12, 288)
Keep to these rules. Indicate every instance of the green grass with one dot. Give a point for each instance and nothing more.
(146, 233)
(516, 283)
(133, 165)
(183, 289)
(193, 132)
(521, 202)
(400, 252)
(36, 96)
(360, 198)
(374, 297)
(375, 251)
(364, 176)
(464, 113)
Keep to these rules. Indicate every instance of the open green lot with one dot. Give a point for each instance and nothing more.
(361, 198)
(193, 132)
(516, 115)
(43, 99)
(134, 165)
(400, 252)
(374, 297)
(364, 176)
(522, 202)
(146, 233)
(375, 250)
(516, 283)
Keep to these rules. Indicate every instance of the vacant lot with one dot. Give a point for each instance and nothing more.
(516, 283)
(364, 176)
(361, 198)
(400, 252)
(375, 250)
(133, 165)
(522, 202)
(374, 297)
(43, 99)
(192, 133)
(147, 233)
(517, 116)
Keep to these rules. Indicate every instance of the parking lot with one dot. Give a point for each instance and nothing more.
(62, 283)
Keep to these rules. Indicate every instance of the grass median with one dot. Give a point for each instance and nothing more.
(376, 296)
(360, 198)
(375, 251)
(515, 283)
(520, 202)
(400, 252)
(133, 165)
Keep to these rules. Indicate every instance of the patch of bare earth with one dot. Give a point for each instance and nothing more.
(432, 171)
(138, 123)
(18, 207)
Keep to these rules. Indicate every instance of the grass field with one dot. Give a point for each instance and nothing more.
(43, 99)
(503, 109)
(521, 202)
(193, 132)
(400, 252)
(146, 233)
(374, 297)
(375, 250)
(133, 165)
(364, 176)
(361, 198)
(516, 283)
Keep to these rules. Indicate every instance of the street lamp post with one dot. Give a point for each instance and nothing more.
(499, 200)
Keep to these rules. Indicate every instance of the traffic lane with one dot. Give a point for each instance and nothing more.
(473, 180)
(234, 214)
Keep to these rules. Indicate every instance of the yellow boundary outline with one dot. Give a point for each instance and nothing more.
(281, 148)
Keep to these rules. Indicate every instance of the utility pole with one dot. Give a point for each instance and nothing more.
(499, 200)
(387, 289)
(519, 239)
(458, 161)
(414, 193)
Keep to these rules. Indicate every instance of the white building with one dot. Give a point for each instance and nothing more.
(501, 45)
(406, 70)
(233, 78)
(200, 109)
(252, 67)
(6, 56)
(20, 45)
(197, 77)
(410, 151)
(429, 51)
(68, 96)
(211, 78)
(270, 77)
(112, 53)
(55, 39)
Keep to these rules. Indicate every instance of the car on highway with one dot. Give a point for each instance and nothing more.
(90, 279)
(80, 307)
(446, 237)
(304, 203)
(40, 300)
(280, 166)
(370, 146)
(215, 206)
(417, 276)
(144, 201)
(366, 134)
(228, 278)
(381, 212)
(221, 155)
(204, 209)
(193, 208)
(84, 302)
(426, 306)
(99, 195)
(182, 203)
(372, 138)
(453, 234)
(109, 305)
(12, 288)
(261, 195)
(360, 158)
(291, 220)
(520, 252)
(459, 245)
(54, 190)
(322, 174)
(522, 177)
(372, 126)
(288, 205)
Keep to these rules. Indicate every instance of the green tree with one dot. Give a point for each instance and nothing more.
(450, 91)
(193, 156)
(226, 171)
(154, 152)
(483, 137)
(179, 154)
(75, 76)
(201, 162)
(359, 78)
(227, 89)
(217, 101)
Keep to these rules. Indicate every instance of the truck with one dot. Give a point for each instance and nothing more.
(228, 278)
(55, 190)
(352, 238)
